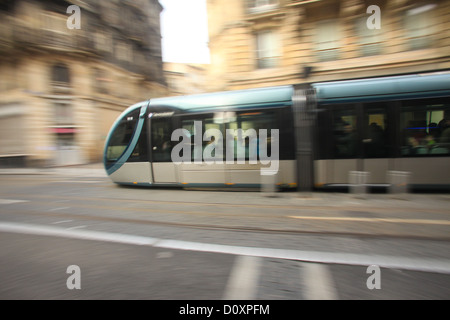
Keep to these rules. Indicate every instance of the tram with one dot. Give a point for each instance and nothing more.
(309, 136)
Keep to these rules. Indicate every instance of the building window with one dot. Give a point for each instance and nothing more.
(419, 27)
(53, 22)
(369, 40)
(327, 40)
(103, 41)
(60, 79)
(101, 81)
(256, 6)
(60, 74)
(123, 52)
(63, 114)
(267, 49)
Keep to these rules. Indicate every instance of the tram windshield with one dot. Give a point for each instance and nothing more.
(121, 136)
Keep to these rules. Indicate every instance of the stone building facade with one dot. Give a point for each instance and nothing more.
(62, 88)
(185, 78)
(257, 43)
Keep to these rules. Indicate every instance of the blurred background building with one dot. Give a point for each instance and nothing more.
(257, 43)
(185, 78)
(60, 88)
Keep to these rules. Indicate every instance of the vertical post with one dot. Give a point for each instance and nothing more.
(399, 183)
(268, 185)
(304, 105)
(358, 183)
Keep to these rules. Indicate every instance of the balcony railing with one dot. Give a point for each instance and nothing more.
(261, 6)
(24, 36)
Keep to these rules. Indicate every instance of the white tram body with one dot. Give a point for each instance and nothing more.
(313, 135)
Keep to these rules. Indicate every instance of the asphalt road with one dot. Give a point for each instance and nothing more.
(130, 243)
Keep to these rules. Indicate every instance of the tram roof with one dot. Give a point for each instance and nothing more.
(239, 98)
(384, 88)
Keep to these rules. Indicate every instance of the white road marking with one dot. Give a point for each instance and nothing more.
(12, 201)
(76, 227)
(62, 221)
(243, 281)
(393, 262)
(318, 281)
(164, 255)
(58, 209)
(76, 234)
(80, 181)
(362, 219)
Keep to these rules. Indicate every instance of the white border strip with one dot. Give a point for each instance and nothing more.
(404, 263)
(75, 234)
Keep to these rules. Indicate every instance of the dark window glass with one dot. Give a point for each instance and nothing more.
(250, 122)
(345, 132)
(337, 132)
(161, 139)
(121, 137)
(253, 123)
(60, 74)
(425, 127)
(140, 152)
(205, 122)
(375, 130)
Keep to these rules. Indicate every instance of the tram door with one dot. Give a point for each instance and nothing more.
(163, 170)
(354, 137)
(376, 142)
(339, 144)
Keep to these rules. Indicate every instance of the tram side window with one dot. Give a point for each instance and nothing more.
(140, 152)
(188, 124)
(161, 140)
(375, 135)
(425, 128)
(217, 126)
(345, 133)
(121, 136)
(229, 122)
(252, 123)
(200, 125)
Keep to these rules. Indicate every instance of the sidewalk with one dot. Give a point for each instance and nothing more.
(430, 201)
(311, 201)
(88, 170)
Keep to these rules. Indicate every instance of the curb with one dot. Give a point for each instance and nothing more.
(89, 172)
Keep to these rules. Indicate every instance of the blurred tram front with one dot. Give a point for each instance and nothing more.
(139, 146)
